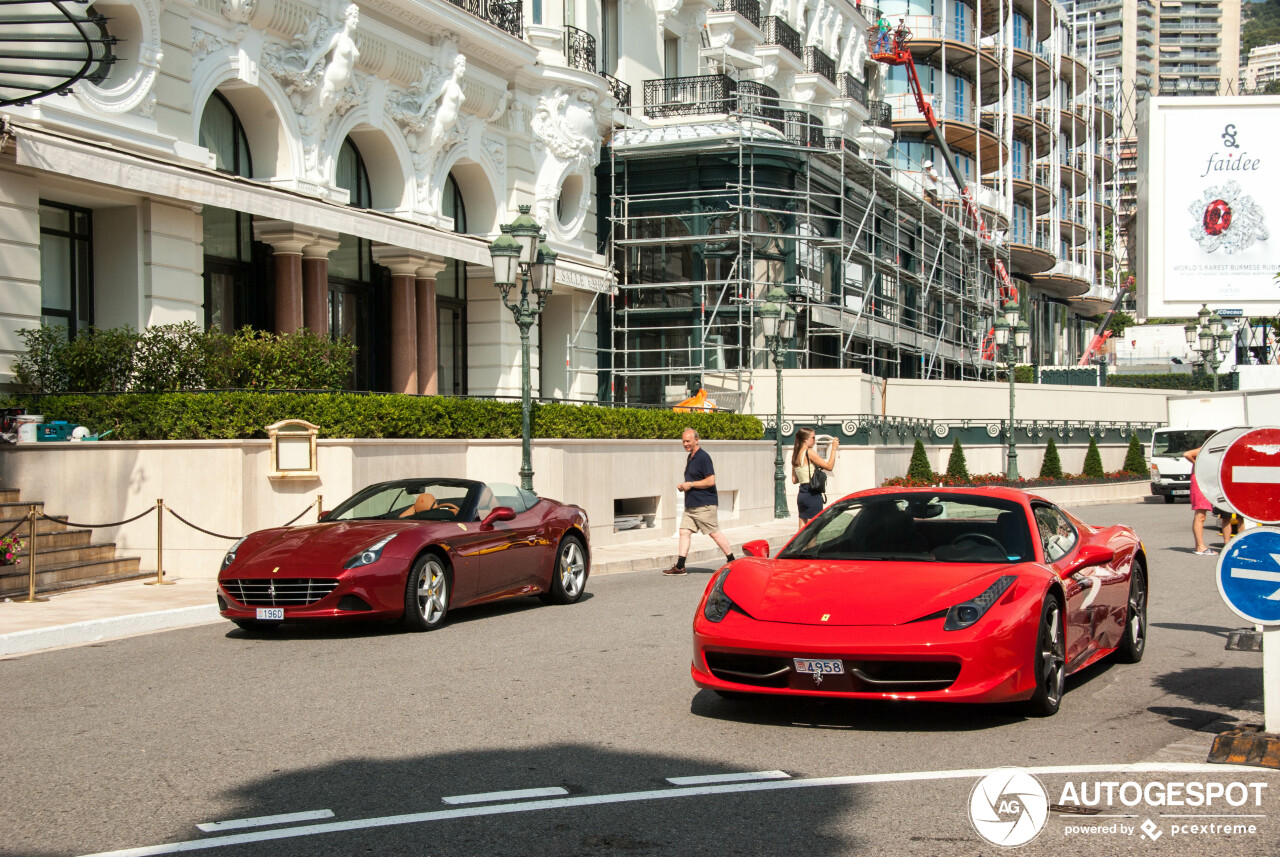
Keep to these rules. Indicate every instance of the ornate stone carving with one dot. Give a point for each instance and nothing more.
(430, 114)
(566, 141)
(124, 96)
(319, 93)
(238, 11)
(665, 8)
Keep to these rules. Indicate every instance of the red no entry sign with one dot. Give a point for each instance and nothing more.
(1250, 475)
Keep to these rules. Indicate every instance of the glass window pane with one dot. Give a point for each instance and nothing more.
(55, 218)
(55, 272)
(220, 312)
(220, 239)
(218, 134)
(447, 281)
(84, 299)
(344, 262)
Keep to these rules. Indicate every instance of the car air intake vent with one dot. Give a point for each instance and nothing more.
(903, 675)
(284, 592)
(749, 669)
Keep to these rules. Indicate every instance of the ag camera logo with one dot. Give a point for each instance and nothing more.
(1009, 807)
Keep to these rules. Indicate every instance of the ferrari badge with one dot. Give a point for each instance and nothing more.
(826, 616)
(274, 570)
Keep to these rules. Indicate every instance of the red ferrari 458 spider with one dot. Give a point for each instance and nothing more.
(412, 549)
(951, 594)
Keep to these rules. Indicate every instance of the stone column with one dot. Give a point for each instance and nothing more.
(404, 265)
(428, 328)
(287, 242)
(315, 281)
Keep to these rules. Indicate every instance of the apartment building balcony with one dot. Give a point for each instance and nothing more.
(1026, 125)
(994, 14)
(759, 101)
(733, 23)
(579, 49)
(803, 129)
(1073, 73)
(1033, 67)
(781, 44)
(958, 125)
(1035, 195)
(1030, 251)
(1103, 167)
(1073, 228)
(1096, 300)
(1066, 279)
(506, 15)
(697, 95)
(881, 114)
(621, 92)
(935, 41)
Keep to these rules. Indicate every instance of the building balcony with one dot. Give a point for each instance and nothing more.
(704, 94)
(804, 129)
(816, 62)
(1066, 279)
(956, 122)
(881, 114)
(1096, 300)
(579, 49)
(778, 32)
(506, 15)
(851, 88)
(1030, 252)
(748, 9)
(621, 92)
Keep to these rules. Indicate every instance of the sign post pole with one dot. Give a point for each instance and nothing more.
(1270, 671)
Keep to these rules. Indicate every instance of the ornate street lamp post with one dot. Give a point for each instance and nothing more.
(1010, 349)
(518, 251)
(778, 323)
(1210, 339)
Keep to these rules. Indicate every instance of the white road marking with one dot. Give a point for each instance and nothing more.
(660, 794)
(265, 820)
(1265, 576)
(516, 794)
(728, 778)
(1263, 475)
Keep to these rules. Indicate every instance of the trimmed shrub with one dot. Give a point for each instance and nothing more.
(957, 468)
(42, 367)
(1093, 461)
(1051, 467)
(239, 415)
(1135, 461)
(1174, 381)
(919, 467)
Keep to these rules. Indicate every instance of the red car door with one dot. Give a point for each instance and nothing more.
(1060, 540)
(515, 550)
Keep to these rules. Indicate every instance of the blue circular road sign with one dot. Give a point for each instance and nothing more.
(1249, 575)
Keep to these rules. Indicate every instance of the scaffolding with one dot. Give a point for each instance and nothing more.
(886, 276)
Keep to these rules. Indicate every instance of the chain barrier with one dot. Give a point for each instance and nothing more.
(33, 516)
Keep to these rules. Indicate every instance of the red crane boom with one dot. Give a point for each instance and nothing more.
(893, 50)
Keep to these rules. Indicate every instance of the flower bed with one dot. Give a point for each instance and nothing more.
(987, 480)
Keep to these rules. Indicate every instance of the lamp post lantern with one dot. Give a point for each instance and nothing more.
(1012, 336)
(1208, 337)
(519, 252)
(778, 323)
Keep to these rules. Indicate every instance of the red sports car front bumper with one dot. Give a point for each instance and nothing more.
(366, 593)
(989, 662)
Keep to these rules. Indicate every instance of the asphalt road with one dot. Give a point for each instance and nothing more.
(357, 735)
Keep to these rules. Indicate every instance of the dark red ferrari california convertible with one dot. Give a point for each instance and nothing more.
(412, 549)
(945, 594)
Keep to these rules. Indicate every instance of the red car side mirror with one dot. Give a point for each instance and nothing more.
(759, 548)
(501, 513)
(324, 516)
(1089, 555)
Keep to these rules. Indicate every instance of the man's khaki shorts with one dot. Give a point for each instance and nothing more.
(703, 519)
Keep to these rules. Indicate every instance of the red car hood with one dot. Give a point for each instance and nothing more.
(318, 549)
(803, 591)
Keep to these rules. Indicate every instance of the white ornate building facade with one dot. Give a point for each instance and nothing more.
(329, 165)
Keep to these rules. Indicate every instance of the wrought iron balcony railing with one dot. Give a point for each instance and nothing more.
(881, 114)
(506, 15)
(621, 91)
(779, 32)
(837, 143)
(851, 87)
(50, 47)
(756, 99)
(749, 9)
(816, 62)
(689, 96)
(804, 129)
(579, 49)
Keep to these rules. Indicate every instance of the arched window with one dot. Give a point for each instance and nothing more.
(451, 304)
(351, 269)
(229, 302)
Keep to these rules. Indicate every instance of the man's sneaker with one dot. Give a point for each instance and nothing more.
(675, 569)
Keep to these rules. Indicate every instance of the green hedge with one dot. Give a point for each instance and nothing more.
(1173, 381)
(210, 416)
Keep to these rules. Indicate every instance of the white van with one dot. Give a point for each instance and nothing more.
(1170, 472)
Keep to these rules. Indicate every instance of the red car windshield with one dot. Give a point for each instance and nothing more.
(917, 528)
(422, 500)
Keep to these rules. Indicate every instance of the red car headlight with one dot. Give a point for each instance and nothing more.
(718, 604)
(963, 615)
(369, 555)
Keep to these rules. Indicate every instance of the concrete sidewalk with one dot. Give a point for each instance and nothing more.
(117, 610)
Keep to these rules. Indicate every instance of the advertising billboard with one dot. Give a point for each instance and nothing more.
(1208, 200)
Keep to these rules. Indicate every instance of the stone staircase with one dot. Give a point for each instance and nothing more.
(66, 558)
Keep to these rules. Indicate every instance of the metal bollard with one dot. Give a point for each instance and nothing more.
(160, 581)
(32, 598)
(319, 506)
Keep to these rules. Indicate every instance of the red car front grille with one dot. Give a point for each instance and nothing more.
(285, 592)
(858, 676)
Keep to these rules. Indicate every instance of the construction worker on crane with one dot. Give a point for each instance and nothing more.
(882, 35)
(901, 36)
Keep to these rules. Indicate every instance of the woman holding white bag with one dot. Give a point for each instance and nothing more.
(809, 470)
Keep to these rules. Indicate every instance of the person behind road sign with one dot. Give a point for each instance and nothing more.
(1229, 524)
(701, 502)
(1200, 507)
